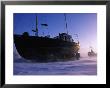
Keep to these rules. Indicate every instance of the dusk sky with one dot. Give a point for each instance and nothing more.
(83, 24)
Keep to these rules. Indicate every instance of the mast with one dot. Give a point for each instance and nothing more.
(36, 26)
(36, 30)
(66, 23)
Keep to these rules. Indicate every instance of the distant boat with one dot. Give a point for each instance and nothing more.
(92, 53)
(44, 48)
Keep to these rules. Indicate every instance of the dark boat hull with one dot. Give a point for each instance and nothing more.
(44, 49)
(91, 54)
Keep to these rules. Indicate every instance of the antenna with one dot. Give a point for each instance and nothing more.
(66, 22)
(76, 35)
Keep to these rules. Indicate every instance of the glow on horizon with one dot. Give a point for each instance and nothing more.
(83, 24)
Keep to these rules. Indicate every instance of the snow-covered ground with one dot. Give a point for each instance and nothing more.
(84, 66)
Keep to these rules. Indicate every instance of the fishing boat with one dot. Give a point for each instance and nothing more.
(91, 53)
(45, 48)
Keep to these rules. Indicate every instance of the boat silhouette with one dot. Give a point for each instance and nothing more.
(91, 53)
(44, 48)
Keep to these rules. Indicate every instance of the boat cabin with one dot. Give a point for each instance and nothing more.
(65, 37)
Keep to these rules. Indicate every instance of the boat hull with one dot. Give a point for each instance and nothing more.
(45, 49)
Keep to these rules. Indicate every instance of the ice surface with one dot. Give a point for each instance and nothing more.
(84, 66)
